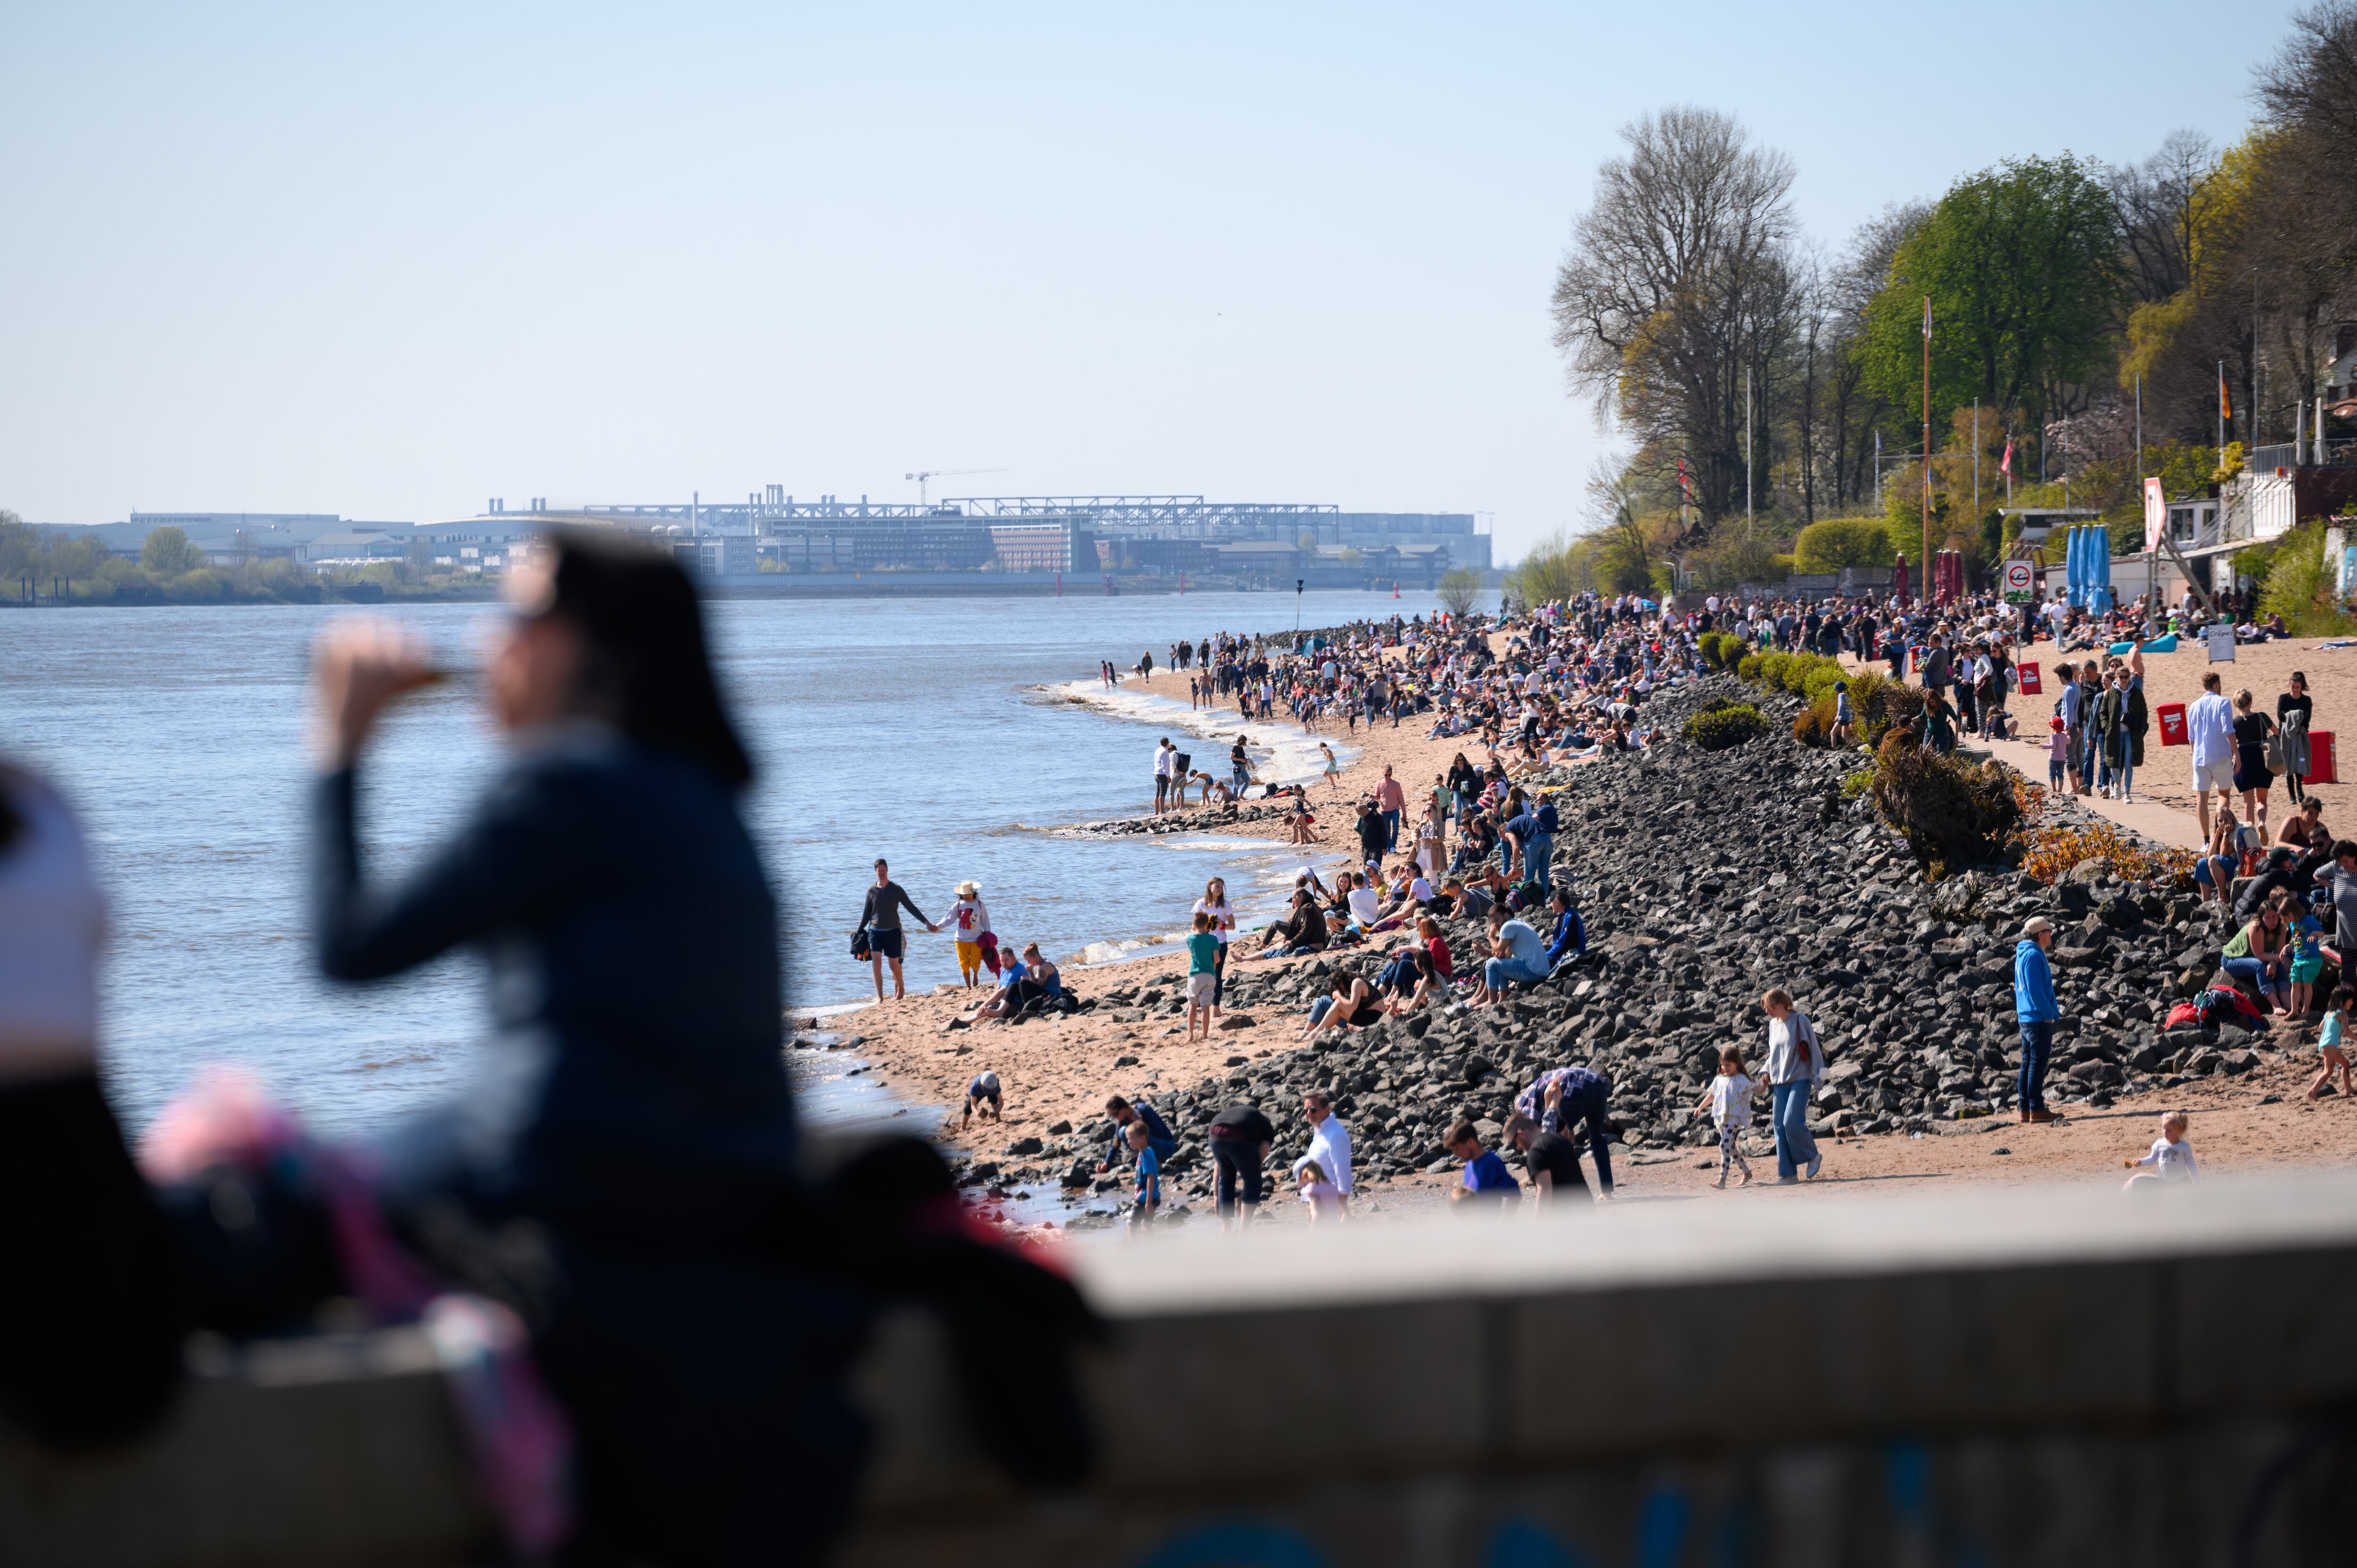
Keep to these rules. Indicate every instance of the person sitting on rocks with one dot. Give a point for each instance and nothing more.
(2275, 876)
(1419, 985)
(1569, 942)
(1304, 931)
(1519, 955)
(1354, 1003)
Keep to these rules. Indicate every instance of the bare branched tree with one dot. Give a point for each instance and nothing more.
(2160, 202)
(1679, 280)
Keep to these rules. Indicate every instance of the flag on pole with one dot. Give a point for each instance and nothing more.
(2005, 463)
(2225, 400)
(1927, 318)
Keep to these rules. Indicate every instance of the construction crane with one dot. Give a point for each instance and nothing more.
(921, 475)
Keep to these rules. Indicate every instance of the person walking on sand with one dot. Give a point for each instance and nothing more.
(2034, 1005)
(880, 917)
(1329, 1143)
(1729, 1101)
(1333, 768)
(2252, 777)
(2332, 1044)
(1214, 903)
(969, 923)
(1240, 766)
(1795, 1062)
(2209, 727)
(1391, 800)
(1203, 977)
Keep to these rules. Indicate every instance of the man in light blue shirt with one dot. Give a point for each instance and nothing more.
(2209, 726)
(1521, 955)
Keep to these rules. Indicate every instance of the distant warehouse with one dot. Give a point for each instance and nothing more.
(1070, 536)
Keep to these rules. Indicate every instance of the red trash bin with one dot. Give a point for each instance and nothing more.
(2171, 716)
(2320, 758)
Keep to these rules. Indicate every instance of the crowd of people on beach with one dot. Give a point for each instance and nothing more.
(1569, 683)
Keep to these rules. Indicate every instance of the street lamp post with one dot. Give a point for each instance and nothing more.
(1298, 583)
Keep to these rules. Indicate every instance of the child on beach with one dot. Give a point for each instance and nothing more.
(968, 921)
(2306, 939)
(1324, 1199)
(2171, 1156)
(1148, 1190)
(2332, 1044)
(2058, 750)
(1333, 768)
(1302, 821)
(983, 1094)
(1202, 974)
(1729, 1101)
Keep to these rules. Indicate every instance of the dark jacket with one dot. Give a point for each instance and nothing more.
(635, 1088)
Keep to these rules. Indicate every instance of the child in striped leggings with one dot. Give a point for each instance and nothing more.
(1729, 1101)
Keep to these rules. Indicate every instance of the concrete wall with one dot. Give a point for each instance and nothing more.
(2076, 1377)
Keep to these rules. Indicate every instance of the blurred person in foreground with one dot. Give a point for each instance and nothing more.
(89, 1323)
(627, 1161)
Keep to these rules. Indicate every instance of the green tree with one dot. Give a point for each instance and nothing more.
(166, 553)
(1552, 570)
(1459, 586)
(2022, 265)
(1839, 541)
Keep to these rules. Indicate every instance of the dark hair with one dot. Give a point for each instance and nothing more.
(2343, 995)
(2344, 846)
(649, 670)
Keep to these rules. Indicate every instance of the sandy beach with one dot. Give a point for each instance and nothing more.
(1058, 1072)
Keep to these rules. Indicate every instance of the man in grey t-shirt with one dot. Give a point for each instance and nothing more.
(879, 917)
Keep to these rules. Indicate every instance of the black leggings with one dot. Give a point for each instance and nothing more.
(90, 1309)
(1236, 1160)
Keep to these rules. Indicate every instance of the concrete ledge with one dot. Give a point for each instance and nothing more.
(2027, 1370)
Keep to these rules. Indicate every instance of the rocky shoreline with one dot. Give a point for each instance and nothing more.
(1706, 878)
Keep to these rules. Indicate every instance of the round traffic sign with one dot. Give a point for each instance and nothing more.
(2017, 576)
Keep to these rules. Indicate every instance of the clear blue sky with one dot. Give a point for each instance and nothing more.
(392, 261)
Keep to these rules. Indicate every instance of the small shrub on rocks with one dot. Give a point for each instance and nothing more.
(1954, 815)
(1813, 725)
(1772, 669)
(2054, 851)
(1748, 667)
(1715, 729)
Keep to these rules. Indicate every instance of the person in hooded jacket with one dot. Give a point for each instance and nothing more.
(2035, 1006)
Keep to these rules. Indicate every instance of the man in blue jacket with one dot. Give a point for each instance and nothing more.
(2034, 1004)
(1570, 932)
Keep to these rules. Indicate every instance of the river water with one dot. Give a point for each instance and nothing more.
(939, 732)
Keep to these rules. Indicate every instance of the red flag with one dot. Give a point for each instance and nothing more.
(2005, 463)
(2225, 402)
